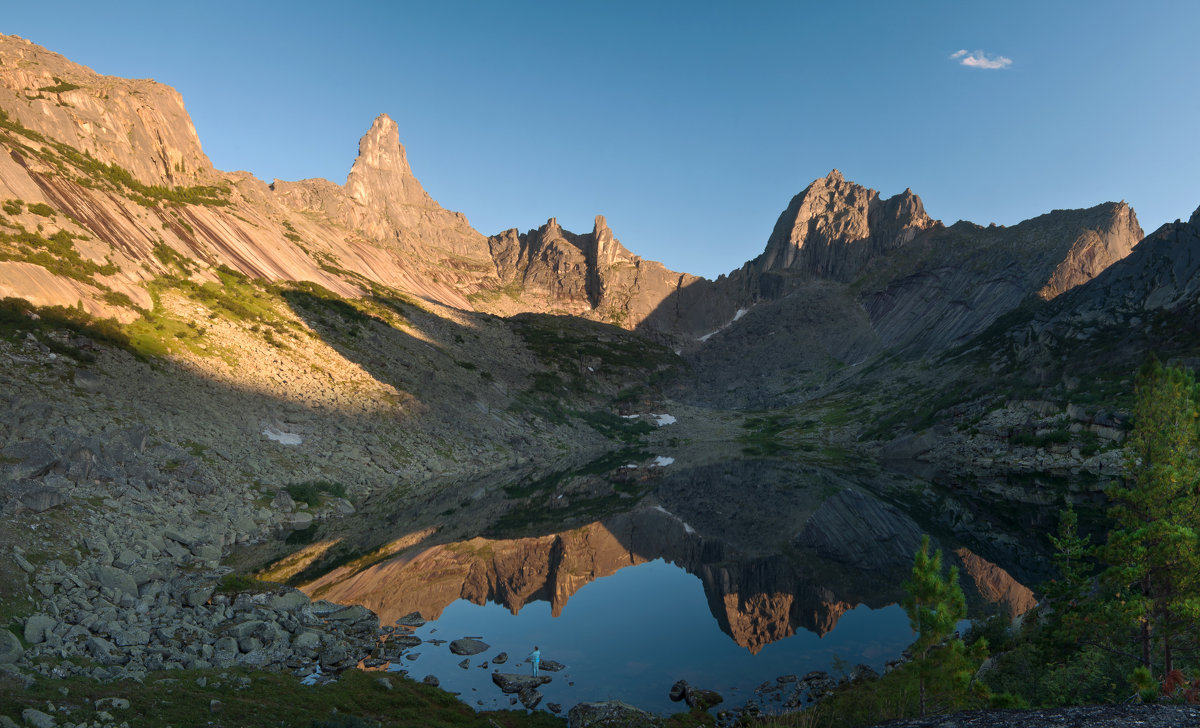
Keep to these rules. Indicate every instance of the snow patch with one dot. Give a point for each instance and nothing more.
(661, 420)
(664, 511)
(740, 313)
(661, 461)
(283, 438)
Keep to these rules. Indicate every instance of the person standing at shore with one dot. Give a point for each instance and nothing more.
(535, 657)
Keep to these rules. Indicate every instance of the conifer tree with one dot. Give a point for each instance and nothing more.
(935, 604)
(1154, 546)
(1068, 594)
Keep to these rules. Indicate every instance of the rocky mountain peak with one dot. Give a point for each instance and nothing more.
(834, 226)
(139, 125)
(1195, 218)
(601, 232)
(381, 175)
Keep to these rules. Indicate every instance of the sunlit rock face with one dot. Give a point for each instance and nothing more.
(833, 227)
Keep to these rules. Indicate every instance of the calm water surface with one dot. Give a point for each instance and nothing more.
(631, 635)
(727, 575)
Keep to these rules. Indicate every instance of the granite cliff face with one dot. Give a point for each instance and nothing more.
(139, 125)
(832, 228)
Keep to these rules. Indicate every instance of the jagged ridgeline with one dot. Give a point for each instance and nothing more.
(197, 359)
(115, 222)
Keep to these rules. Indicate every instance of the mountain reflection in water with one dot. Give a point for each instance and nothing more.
(847, 548)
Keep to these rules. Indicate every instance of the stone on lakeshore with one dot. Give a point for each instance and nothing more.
(679, 691)
(551, 666)
(529, 698)
(511, 683)
(431, 680)
(468, 646)
(500, 659)
(608, 714)
(412, 619)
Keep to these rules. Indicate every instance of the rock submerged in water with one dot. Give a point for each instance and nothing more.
(500, 659)
(469, 646)
(696, 698)
(551, 666)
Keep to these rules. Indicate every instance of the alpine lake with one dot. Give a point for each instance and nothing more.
(744, 575)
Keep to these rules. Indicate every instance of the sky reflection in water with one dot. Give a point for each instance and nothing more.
(631, 635)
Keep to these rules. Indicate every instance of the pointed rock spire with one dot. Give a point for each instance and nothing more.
(381, 175)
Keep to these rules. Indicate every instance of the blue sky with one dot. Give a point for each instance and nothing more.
(688, 124)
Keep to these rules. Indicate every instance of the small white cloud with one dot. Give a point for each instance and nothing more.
(979, 59)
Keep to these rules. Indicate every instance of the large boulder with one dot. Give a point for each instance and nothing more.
(609, 714)
(37, 627)
(512, 683)
(10, 647)
(30, 459)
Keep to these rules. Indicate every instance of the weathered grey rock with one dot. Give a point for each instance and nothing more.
(34, 459)
(289, 600)
(609, 714)
(405, 640)
(87, 380)
(412, 619)
(551, 666)
(465, 663)
(679, 691)
(37, 627)
(197, 596)
(512, 683)
(117, 580)
(431, 680)
(468, 646)
(10, 647)
(112, 704)
(530, 698)
(700, 699)
(500, 659)
(38, 719)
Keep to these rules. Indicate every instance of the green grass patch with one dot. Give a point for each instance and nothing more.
(55, 253)
(249, 698)
(60, 86)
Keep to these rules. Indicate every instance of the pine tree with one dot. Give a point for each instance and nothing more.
(1154, 546)
(935, 604)
(1068, 595)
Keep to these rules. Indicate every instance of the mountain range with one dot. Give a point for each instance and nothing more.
(184, 345)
